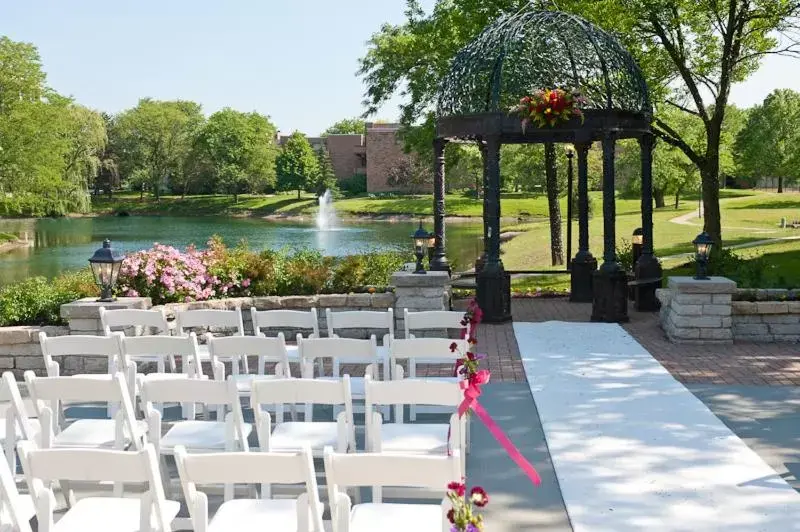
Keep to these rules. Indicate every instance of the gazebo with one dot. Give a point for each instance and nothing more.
(512, 57)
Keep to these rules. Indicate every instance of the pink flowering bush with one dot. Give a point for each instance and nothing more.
(167, 275)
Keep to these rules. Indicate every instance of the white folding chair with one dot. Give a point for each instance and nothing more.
(209, 320)
(349, 350)
(16, 510)
(276, 515)
(414, 438)
(286, 322)
(295, 435)
(428, 351)
(363, 319)
(49, 395)
(152, 512)
(433, 473)
(439, 321)
(141, 323)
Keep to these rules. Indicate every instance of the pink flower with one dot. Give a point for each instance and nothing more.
(246, 283)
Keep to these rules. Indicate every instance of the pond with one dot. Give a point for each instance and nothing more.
(67, 243)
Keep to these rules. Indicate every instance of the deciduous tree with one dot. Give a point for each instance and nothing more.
(296, 165)
(353, 126)
(768, 144)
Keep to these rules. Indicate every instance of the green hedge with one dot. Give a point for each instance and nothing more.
(37, 301)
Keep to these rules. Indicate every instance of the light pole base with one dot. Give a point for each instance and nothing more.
(580, 278)
(610, 296)
(494, 293)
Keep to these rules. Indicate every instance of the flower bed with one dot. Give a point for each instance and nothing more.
(168, 275)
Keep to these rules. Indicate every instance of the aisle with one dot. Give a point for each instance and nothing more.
(633, 449)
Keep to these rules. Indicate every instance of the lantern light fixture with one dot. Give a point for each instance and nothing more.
(420, 238)
(702, 247)
(105, 264)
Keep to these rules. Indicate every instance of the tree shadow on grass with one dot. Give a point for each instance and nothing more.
(789, 204)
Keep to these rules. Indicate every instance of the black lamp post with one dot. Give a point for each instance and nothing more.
(702, 246)
(431, 248)
(105, 264)
(637, 241)
(420, 237)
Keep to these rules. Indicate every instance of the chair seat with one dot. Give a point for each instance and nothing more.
(414, 438)
(197, 435)
(93, 433)
(106, 514)
(255, 515)
(385, 517)
(294, 435)
(148, 358)
(244, 383)
(293, 352)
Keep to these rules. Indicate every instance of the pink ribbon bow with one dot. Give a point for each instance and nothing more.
(472, 391)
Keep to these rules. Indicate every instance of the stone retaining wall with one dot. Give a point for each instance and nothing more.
(766, 321)
(20, 351)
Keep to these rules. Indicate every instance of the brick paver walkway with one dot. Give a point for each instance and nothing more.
(740, 363)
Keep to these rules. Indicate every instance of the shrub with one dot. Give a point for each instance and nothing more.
(625, 255)
(355, 185)
(748, 273)
(306, 272)
(37, 301)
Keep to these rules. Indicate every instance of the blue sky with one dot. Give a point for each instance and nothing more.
(294, 60)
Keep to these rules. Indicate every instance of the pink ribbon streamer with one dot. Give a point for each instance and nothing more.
(472, 391)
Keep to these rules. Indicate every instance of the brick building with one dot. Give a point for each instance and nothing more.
(373, 154)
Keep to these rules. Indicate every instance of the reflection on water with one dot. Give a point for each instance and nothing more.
(67, 244)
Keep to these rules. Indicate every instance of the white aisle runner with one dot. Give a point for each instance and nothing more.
(633, 449)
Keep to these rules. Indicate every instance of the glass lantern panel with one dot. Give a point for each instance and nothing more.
(637, 239)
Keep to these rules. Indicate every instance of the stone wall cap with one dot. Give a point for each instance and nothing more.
(431, 278)
(713, 285)
(89, 307)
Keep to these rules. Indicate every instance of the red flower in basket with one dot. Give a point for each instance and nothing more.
(549, 107)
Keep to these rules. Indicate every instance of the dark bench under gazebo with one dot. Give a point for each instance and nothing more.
(512, 57)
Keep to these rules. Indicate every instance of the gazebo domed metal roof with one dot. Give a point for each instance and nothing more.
(534, 49)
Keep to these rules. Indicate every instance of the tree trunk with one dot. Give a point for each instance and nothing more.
(658, 197)
(677, 199)
(556, 245)
(709, 173)
(298, 193)
(780, 185)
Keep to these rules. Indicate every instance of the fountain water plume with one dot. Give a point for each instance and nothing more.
(326, 216)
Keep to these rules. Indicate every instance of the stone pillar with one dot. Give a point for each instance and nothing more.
(419, 292)
(439, 261)
(697, 311)
(83, 315)
(584, 264)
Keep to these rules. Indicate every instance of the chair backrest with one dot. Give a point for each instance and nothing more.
(432, 319)
(378, 469)
(95, 465)
(427, 348)
(288, 320)
(360, 319)
(206, 391)
(338, 349)
(184, 346)
(411, 391)
(142, 321)
(13, 516)
(209, 319)
(77, 345)
(266, 349)
(296, 391)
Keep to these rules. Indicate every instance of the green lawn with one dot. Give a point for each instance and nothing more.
(247, 205)
(7, 237)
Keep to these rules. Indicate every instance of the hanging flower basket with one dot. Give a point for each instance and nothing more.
(549, 107)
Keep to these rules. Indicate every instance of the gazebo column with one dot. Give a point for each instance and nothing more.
(647, 268)
(439, 260)
(493, 285)
(584, 264)
(610, 290)
(481, 260)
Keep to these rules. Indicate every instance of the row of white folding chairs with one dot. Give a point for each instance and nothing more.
(149, 320)
(153, 511)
